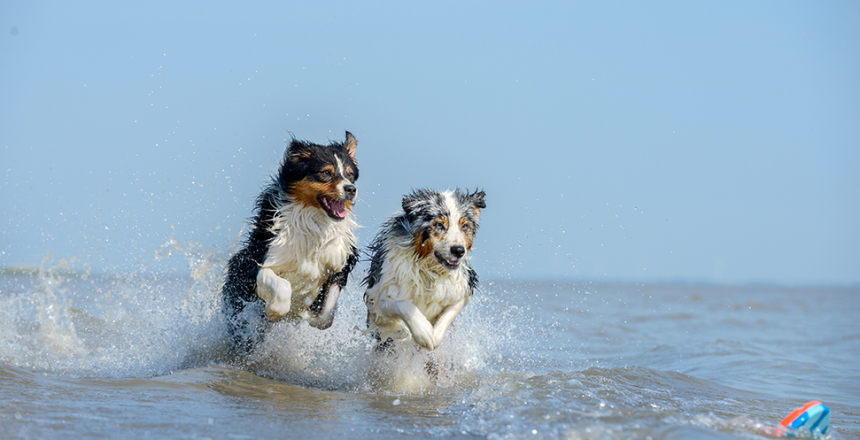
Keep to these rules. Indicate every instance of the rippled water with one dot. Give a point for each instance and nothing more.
(109, 356)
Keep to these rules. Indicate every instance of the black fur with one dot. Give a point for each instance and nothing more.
(243, 308)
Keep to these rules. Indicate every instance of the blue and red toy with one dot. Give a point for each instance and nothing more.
(813, 419)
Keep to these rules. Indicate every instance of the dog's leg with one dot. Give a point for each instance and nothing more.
(422, 330)
(276, 291)
(445, 319)
(326, 316)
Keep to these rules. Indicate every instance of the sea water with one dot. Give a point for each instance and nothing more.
(121, 355)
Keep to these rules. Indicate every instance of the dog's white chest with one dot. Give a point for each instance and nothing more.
(433, 301)
(431, 295)
(308, 248)
(296, 264)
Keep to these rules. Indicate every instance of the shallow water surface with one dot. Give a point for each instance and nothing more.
(107, 356)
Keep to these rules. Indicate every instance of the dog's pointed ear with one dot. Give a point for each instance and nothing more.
(477, 199)
(351, 144)
(298, 151)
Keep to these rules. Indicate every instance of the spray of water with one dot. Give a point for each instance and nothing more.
(497, 359)
(64, 322)
(138, 325)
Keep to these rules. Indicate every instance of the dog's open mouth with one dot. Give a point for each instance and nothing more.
(450, 264)
(334, 208)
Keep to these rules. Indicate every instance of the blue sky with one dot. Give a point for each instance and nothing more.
(659, 141)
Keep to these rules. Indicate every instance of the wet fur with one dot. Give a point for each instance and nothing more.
(418, 280)
(300, 248)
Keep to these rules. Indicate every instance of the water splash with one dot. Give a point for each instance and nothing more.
(48, 328)
(69, 323)
(502, 375)
(145, 324)
(344, 358)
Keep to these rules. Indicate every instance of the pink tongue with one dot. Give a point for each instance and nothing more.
(338, 209)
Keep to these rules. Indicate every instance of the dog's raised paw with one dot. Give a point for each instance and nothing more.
(277, 309)
(424, 337)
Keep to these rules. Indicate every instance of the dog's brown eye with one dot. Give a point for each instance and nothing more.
(326, 173)
(465, 227)
(350, 175)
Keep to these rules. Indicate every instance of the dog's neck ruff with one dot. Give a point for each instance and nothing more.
(308, 245)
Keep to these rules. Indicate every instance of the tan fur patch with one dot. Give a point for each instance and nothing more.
(468, 233)
(306, 192)
(425, 247)
(300, 157)
(330, 170)
(351, 144)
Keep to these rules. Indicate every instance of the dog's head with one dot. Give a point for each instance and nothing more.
(443, 224)
(321, 176)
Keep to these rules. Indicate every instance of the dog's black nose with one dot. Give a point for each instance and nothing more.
(458, 251)
(350, 191)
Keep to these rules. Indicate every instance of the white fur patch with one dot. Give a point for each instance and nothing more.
(454, 235)
(422, 281)
(417, 292)
(341, 170)
(308, 248)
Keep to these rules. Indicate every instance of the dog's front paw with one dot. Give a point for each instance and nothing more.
(323, 322)
(278, 302)
(423, 336)
(276, 310)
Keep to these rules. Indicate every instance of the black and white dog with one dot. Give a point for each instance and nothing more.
(420, 277)
(300, 248)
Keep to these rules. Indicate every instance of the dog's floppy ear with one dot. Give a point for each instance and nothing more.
(298, 151)
(351, 143)
(409, 204)
(477, 199)
(413, 202)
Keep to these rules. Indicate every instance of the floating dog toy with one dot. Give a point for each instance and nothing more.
(812, 418)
